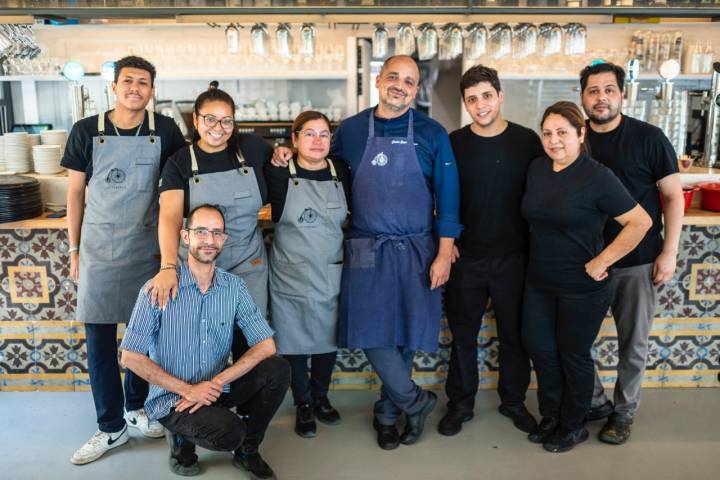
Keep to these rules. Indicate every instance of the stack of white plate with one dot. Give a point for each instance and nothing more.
(54, 137)
(17, 152)
(2, 154)
(46, 159)
(33, 139)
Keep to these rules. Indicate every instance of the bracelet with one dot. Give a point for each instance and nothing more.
(168, 267)
(73, 249)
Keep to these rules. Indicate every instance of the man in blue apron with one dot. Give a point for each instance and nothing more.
(113, 240)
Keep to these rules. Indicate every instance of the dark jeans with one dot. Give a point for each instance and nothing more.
(472, 281)
(107, 388)
(310, 390)
(259, 392)
(558, 331)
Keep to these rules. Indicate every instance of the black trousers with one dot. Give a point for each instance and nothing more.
(472, 282)
(311, 389)
(104, 372)
(259, 393)
(559, 330)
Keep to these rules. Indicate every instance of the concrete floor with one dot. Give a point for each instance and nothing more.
(676, 436)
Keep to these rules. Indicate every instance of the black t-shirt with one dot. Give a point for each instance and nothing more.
(177, 173)
(78, 151)
(492, 172)
(567, 211)
(640, 155)
(277, 182)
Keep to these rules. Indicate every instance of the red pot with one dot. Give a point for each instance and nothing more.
(710, 196)
(688, 193)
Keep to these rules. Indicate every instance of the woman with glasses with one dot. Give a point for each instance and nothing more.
(568, 199)
(309, 199)
(224, 168)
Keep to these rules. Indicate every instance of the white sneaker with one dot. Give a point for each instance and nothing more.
(139, 419)
(98, 444)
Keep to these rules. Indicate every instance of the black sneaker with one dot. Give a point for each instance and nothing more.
(183, 461)
(416, 423)
(616, 431)
(521, 418)
(325, 412)
(548, 426)
(563, 439)
(305, 421)
(598, 413)
(451, 423)
(388, 437)
(254, 464)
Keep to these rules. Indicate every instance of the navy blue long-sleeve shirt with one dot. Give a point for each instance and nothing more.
(434, 153)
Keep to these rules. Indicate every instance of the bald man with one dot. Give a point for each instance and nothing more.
(405, 217)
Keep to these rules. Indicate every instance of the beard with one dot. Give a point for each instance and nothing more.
(201, 257)
(400, 103)
(607, 118)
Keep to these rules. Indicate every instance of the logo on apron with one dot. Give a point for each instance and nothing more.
(380, 160)
(116, 177)
(308, 215)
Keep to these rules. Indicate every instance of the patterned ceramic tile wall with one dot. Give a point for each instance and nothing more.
(43, 348)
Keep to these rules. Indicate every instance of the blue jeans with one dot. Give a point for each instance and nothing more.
(399, 392)
(104, 370)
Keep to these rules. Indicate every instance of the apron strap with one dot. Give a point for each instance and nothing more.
(333, 173)
(371, 124)
(151, 124)
(293, 172)
(241, 162)
(193, 164)
(101, 126)
(410, 128)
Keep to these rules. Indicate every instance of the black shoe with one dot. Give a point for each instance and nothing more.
(563, 439)
(416, 423)
(598, 413)
(616, 431)
(305, 421)
(325, 412)
(522, 419)
(254, 464)
(451, 423)
(388, 437)
(183, 460)
(548, 426)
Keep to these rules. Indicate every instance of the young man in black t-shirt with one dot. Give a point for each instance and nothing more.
(643, 158)
(492, 156)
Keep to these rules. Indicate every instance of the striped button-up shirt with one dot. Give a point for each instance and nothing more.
(191, 338)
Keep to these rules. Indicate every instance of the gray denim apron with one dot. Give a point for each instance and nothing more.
(306, 265)
(119, 248)
(237, 193)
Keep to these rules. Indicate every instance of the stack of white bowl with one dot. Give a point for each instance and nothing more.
(54, 137)
(46, 159)
(33, 139)
(17, 152)
(2, 154)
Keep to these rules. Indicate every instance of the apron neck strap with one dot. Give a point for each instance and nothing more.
(410, 132)
(242, 164)
(293, 172)
(101, 124)
(333, 173)
(193, 164)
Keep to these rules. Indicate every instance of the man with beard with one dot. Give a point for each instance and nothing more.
(114, 161)
(192, 386)
(404, 197)
(643, 158)
(493, 156)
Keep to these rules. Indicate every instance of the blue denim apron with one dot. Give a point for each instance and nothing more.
(385, 296)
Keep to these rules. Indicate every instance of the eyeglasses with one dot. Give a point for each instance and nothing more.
(210, 121)
(311, 134)
(202, 233)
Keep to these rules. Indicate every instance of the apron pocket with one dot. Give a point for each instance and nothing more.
(334, 274)
(97, 241)
(145, 174)
(360, 253)
(289, 279)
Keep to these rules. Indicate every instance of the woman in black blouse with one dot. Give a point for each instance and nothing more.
(568, 200)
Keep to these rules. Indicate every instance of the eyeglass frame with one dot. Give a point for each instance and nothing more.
(315, 134)
(216, 234)
(205, 121)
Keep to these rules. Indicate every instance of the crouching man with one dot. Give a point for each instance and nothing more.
(192, 386)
